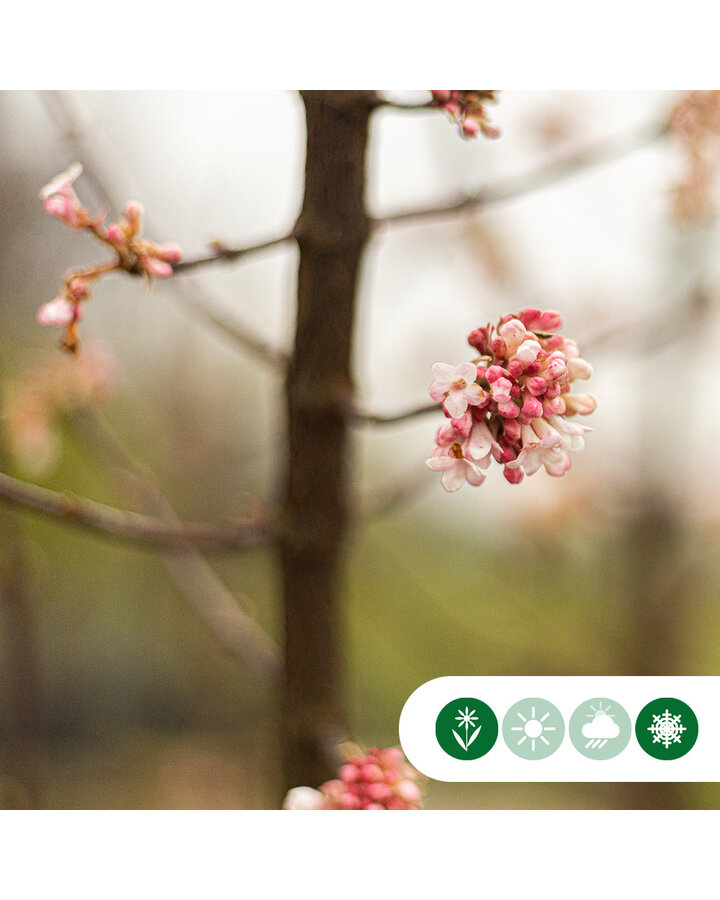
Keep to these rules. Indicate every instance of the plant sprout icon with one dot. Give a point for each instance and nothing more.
(468, 719)
(602, 728)
(533, 729)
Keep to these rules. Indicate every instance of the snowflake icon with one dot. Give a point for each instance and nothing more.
(667, 729)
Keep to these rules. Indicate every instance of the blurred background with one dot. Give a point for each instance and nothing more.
(114, 694)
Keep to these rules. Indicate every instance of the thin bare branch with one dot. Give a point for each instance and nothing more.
(603, 152)
(222, 253)
(131, 525)
(406, 107)
(357, 417)
(192, 574)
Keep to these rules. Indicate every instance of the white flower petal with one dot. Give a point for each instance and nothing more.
(456, 403)
(453, 479)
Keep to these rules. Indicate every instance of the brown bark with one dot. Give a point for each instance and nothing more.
(331, 233)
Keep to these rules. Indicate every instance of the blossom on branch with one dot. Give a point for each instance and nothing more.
(378, 779)
(132, 254)
(467, 110)
(34, 404)
(516, 408)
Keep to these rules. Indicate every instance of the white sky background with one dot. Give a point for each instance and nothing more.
(598, 246)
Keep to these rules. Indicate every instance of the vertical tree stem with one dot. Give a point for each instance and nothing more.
(331, 233)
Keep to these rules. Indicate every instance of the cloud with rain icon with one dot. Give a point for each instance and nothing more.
(600, 730)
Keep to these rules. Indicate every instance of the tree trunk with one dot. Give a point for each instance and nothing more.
(331, 233)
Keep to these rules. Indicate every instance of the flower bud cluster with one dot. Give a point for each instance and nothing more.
(467, 110)
(34, 404)
(695, 121)
(512, 404)
(378, 779)
(132, 253)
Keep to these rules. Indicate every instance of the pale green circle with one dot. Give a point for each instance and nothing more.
(533, 728)
(607, 728)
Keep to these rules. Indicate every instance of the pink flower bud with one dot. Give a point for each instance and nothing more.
(508, 409)
(60, 312)
(511, 428)
(79, 288)
(580, 403)
(533, 368)
(556, 368)
(493, 373)
(462, 425)
(156, 267)
(498, 347)
(441, 96)
(479, 340)
(514, 476)
(553, 390)
(379, 791)
(171, 253)
(528, 351)
(536, 385)
(513, 333)
(554, 407)
(532, 407)
(408, 791)
(372, 772)
(535, 320)
(133, 212)
(516, 368)
(116, 235)
(579, 368)
(470, 127)
(349, 773)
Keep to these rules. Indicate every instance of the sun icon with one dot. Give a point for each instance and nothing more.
(533, 728)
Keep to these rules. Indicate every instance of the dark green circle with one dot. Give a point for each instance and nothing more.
(666, 728)
(452, 734)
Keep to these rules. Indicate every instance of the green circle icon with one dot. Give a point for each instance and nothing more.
(466, 728)
(600, 728)
(666, 728)
(533, 728)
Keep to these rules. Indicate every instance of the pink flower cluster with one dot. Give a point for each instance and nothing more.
(512, 404)
(132, 253)
(467, 110)
(378, 779)
(695, 121)
(35, 404)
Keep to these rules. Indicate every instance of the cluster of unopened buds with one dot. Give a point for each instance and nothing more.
(513, 404)
(695, 122)
(133, 254)
(467, 110)
(378, 779)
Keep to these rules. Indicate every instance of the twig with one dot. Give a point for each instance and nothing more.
(603, 152)
(131, 525)
(192, 574)
(229, 254)
(357, 417)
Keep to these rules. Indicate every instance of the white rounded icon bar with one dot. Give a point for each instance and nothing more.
(420, 743)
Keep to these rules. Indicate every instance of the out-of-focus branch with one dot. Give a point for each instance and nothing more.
(572, 164)
(197, 300)
(360, 418)
(131, 525)
(192, 574)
